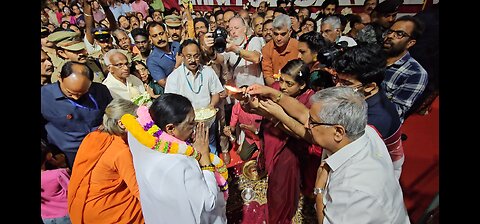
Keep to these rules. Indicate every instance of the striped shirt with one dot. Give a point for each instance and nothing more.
(405, 80)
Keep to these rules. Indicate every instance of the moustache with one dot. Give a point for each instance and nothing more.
(161, 42)
(175, 35)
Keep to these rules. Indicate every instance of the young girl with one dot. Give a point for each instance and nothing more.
(250, 124)
(54, 185)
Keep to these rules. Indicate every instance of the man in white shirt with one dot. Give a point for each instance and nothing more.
(356, 184)
(119, 81)
(330, 30)
(197, 82)
(242, 54)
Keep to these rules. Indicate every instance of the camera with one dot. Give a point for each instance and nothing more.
(327, 55)
(220, 39)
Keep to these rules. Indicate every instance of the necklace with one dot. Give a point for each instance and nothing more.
(190, 85)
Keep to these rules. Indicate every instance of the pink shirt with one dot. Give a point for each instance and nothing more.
(239, 116)
(54, 185)
(140, 6)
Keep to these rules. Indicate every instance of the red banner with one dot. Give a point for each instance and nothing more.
(409, 6)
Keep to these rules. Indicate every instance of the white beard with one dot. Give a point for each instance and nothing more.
(237, 41)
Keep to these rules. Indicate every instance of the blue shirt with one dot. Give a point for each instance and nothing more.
(382, 114)
(405, 80)
(117, 10)
(161, 64)
(69, 121)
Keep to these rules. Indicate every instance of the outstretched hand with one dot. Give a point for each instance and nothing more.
(262, 90)
(208, 40)
(270, 107)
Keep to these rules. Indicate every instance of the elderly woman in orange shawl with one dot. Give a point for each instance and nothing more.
(103, 187)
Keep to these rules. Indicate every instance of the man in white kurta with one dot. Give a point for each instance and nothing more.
(197, 88)
(173, 188)
(201, 88)
(119, 81)
(132, 88)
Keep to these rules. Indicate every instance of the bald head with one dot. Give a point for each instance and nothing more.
(365, 17)
(75, 80)
(227, 16)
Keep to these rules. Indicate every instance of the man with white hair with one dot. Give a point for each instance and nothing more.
(362, 187)
(282, 49)
(119, 81)
(331, 31)
(242, 54)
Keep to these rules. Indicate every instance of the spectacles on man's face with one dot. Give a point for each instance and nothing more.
(326, 32)
(344, 82)
(312, 123)
(399, 34)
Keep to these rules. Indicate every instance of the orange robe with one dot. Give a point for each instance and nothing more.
(103, 187)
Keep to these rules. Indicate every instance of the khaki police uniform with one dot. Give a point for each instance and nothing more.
(57, 61)
(76, 45)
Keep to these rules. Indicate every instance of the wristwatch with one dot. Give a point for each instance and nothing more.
(318, 190)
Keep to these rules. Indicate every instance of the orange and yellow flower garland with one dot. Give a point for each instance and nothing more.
(150, 139)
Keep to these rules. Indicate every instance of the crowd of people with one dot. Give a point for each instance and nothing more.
(316, 99)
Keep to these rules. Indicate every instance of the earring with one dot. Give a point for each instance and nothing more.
(314, 57)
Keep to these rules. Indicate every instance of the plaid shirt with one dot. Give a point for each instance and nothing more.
(404, 82)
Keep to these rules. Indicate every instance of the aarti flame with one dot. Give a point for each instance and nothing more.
(233, 89)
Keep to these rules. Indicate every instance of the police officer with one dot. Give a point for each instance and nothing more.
(74, 50)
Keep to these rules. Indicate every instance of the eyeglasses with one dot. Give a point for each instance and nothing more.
(345, 82)
(312, 123)
(399, 34)
(326, 32)
(119, 65)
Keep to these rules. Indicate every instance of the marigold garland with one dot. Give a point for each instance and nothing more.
(146, 132)
(155, 143)
(137, 131)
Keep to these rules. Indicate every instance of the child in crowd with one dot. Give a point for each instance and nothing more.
(249, 123)
(54, 185)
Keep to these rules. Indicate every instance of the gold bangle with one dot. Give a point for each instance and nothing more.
(208, 168)
(86, 14)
